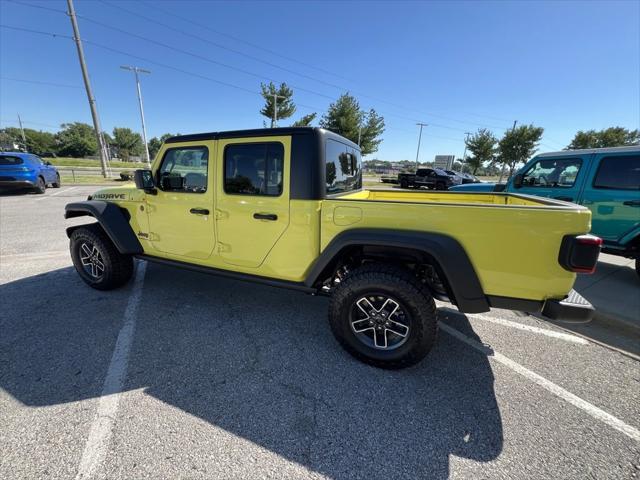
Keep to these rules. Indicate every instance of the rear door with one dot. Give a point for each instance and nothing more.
(613, 196)
(47, 171)
(560, 178)
(253, 197)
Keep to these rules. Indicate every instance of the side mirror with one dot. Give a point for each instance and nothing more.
(144, 180)
(517, 180)
(48, 163)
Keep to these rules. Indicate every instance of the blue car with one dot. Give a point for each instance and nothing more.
(20, 170)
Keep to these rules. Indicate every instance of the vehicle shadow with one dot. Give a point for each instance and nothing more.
(260, 363)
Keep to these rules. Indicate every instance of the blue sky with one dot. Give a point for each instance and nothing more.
(458, 66)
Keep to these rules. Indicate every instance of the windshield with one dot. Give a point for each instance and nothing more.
(343, 167)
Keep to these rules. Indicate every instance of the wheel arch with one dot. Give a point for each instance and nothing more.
(447, 255)
(113, 220)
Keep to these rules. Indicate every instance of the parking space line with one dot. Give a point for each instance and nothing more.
(548, 385)
(56, 193)
(527, 328)
(30, 256)
(102, 427)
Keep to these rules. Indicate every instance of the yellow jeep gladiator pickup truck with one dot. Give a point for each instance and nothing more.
(286, 207)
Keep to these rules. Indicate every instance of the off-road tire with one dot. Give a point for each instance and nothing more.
(117, 268)
(440, 186)
(40, 186)
(398, 283)
(404, 183)
(58, 182)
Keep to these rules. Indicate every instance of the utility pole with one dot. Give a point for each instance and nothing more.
(274, 122)
(464, 155)
(87, 85)
(419, 139)
(24, 139)
(515, 122)
(135, 71)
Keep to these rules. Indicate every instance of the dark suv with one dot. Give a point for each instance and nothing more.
(432, 178)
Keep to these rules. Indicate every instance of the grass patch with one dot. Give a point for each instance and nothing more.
(90, 180)
(87, 162)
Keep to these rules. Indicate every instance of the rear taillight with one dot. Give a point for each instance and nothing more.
(580, 253)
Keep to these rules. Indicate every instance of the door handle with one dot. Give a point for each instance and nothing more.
(564, 199)
(199, 211)
(265, 216)
(632, 203)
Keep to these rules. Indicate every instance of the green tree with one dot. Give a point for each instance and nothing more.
(285, 104)
(345, 118)
(9, 137)
(128, 142)
(305, 121)
(76, 140)
(518, 145)
(482, 147)
(609, 137)
(155, 143)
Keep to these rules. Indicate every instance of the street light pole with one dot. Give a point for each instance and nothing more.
(464, 155)
(419, 140)
(24, 139)
(135, 71)
(87, 86)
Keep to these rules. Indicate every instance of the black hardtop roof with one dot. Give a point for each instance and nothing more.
(261, 132)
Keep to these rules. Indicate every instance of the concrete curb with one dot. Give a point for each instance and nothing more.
(616, 321)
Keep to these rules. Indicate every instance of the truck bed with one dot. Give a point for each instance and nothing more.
(455, 198)
(510, 239)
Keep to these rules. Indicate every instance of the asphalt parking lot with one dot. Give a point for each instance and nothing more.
(183, 375)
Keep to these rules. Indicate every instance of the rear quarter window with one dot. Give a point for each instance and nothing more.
(343, 168)
(10, 160)
(620, 172)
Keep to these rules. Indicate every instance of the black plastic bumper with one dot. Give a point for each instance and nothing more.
(16, 184)
(574, 309)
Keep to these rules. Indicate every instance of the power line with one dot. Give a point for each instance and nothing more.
(193, 22)
(241, 40)
(24, 80)
(339, 87)
(38, 32)
(30, 123)
(214, 80)
(247, 72)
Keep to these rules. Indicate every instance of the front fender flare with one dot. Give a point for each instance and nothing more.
(113, 221)
(446, 250)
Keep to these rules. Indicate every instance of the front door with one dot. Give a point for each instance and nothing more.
(253, 202)
(614, 197)
(181, 213)
(559, 178)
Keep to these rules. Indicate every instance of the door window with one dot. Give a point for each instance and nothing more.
(254, 169)
(184, 169)
(552, 173)
(619, 173)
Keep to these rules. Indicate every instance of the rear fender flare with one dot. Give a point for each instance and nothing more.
(113, 221)
(447, 251)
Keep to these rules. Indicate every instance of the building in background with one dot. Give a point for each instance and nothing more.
(444, 162)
